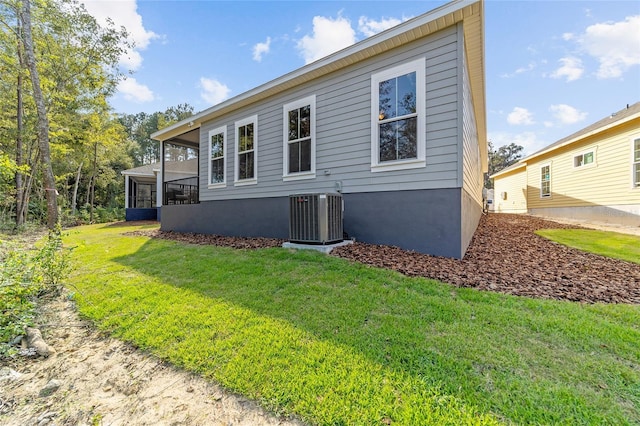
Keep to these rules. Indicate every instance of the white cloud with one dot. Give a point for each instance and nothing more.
(528, 140)
(261, 49)
(520, 116)
(566, 114)
(124, 14)
(520, 70)
(134, 91)
(370, 27)
(616, 46)
(568, 36)
(329, 35)
(571, 68)
(213, 91)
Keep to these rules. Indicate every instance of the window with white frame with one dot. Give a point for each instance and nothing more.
(545, 181)
(636, 162)
(299, 139)
(398, 117)
(584, 159)
(217, 157)
(246, 151)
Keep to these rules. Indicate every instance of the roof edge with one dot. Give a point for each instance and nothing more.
(325, 65)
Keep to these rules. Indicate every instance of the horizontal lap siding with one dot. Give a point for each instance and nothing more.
(510, 192)
(343, 130)
(606, 183)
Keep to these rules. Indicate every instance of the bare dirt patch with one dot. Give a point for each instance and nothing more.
(96, 380)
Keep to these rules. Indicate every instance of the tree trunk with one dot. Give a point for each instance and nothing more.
(20, 196)
(43, 121)
(93, 180)
(75, 190)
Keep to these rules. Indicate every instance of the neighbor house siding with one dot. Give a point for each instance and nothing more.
(343, 129)
(510, 191)
(606, 182)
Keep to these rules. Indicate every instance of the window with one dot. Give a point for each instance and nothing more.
(545, 181)
(299, 139)
(584, 159)
(636, 162)
(217, 157)
(246, 151)
(398, 115)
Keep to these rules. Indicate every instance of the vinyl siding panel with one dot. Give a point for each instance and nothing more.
(606, 182)
(343, 129)
(514, 187)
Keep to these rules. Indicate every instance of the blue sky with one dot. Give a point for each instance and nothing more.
(552, 67)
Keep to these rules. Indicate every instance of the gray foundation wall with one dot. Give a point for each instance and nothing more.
(427, 221)
(626, 215)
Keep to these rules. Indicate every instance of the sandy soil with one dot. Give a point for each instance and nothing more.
(106, 382)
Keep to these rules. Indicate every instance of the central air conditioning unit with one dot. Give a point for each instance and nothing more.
(315, 218)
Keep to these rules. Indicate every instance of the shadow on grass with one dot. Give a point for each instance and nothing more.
(281, 324)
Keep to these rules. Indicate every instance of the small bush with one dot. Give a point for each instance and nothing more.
(25, 275)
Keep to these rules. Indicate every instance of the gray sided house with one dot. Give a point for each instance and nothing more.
(395, 123)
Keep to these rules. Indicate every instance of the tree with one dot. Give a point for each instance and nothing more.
(43, 121)
(140, 126)
(502, 158)
(75, 61)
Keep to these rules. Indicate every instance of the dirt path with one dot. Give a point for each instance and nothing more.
(103, 381)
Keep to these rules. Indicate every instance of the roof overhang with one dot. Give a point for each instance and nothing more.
(511, 169)
(583, 136)
(468, 12)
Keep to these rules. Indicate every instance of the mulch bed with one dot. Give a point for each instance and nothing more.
(505, 256)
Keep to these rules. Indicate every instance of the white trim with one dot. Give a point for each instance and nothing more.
(419, 67)
(225, 147)
(251, 181)
(582, 153)
(635, 185)
(540, 180)
(126, 191)
(309, 174)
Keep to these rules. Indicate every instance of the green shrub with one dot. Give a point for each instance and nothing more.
(24, 276)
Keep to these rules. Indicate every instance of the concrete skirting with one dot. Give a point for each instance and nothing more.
(326, 248)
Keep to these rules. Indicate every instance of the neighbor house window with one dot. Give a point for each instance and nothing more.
(217, 157)
(398, 116)
(246, 151)
(584, 159)
(636, 162)
(299, 139)
(545, 181)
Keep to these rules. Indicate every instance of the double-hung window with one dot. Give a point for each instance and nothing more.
(636, 163)
(299, 139)
(545, 181)
(217, 157)
(398, 117)
(246, 151)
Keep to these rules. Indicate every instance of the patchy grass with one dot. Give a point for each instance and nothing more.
(340, 343)
(605, 243)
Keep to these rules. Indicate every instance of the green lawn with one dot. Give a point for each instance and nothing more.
(610, 244)
(334, 342)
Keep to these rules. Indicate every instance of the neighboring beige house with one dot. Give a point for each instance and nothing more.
(593, 174)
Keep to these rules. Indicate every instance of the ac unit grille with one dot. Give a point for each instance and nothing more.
(315, 218)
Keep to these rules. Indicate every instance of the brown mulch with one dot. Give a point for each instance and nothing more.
(505, 256)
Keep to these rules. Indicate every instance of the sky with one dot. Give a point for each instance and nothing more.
(551, 67)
